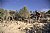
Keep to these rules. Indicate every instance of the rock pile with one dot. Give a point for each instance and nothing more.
(21, 27)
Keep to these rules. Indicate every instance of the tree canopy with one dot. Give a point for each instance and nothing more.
(24, 12)
(11, 12)
(48, 12)
(1, 12)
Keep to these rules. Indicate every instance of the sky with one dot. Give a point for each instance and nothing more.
(30, 4)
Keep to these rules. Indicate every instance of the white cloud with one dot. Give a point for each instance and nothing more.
(45, 10)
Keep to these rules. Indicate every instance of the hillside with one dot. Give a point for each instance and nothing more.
(21, 27)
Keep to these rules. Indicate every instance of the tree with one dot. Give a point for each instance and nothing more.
(48, 12)
(11, 12)
(30, 11)
(24, 12)
(1, 12)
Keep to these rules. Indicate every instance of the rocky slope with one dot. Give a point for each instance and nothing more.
(19, 27)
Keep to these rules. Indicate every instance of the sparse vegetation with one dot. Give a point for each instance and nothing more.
(21, 22)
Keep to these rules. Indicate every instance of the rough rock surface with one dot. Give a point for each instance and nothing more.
(17, 26)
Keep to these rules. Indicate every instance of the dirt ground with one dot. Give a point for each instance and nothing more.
(17, 26)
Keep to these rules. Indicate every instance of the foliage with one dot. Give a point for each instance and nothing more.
(24, 12)
(48, 12)
(11, 12)
(30, 11)
(1, 12)
(17, 14)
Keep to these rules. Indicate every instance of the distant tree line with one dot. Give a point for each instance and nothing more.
(24, 12)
